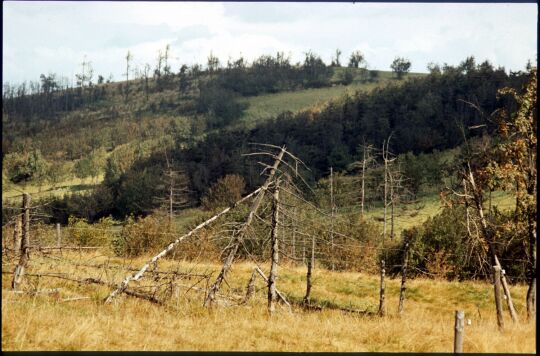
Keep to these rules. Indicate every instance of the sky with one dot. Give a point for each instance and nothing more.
(55, 37)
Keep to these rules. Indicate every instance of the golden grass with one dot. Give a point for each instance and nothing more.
(44, 323)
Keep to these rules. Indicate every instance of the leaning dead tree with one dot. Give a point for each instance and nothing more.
(136, 276)
(274, 171)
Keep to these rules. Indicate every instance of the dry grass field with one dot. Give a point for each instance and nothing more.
(48, 322)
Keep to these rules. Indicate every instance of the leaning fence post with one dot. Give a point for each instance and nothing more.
(23, 261)
(459, 328)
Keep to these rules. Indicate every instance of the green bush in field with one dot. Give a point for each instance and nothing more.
(81, 233)
(142, 235)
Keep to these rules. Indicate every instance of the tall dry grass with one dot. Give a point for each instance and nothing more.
(45, 323)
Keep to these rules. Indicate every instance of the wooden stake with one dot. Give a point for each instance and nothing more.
(58, 235)
(497, 289)
(459, 328)
(25, 255)
(403, 276)
(382, 308)
(311, 262)
(275, 252)
(17, 234)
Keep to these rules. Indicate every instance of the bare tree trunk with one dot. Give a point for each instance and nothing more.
(487, 235)
(531, 292)
(122, 287)
(250, 287)
(363, 183)
(385, 191)
(382, 307)
(332, 216)
(278, 293)
(275, 253)
(25, 244)
(403, 276)
(237, 239)
(293, 223)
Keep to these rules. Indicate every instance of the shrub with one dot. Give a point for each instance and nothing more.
(225, 192)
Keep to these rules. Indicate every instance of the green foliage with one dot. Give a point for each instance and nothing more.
(22, 167)
(424, 169)
(141, 235)
(400, 66)
(81, 233)
(225, 192)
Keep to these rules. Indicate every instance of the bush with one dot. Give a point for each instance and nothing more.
(225, 192)
(142, 235)
(81, 233)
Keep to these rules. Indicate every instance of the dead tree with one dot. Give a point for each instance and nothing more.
(382, 307)
(332, 211)
(175, 184)
(311, 262)
(25, 244)
(136, 276)
(275, 251)
(239, 234)
(477, 201)
(366, 160)
(387, 161)
(403, 276)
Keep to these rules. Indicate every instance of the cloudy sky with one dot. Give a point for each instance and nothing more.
(43, 37)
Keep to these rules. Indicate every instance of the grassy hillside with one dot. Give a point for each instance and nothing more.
(427, 324)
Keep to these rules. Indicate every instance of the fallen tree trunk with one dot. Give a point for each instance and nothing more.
(139, 274)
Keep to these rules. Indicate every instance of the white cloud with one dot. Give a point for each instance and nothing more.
(54, 36)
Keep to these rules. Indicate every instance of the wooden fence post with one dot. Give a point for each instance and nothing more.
(17, 234)
(275, 252)
(382, 307)
(498, 301)
(459, 328)
(310, 263)
(23, 260)
(403, 276)
(58, 236)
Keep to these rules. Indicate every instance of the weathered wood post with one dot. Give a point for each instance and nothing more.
(250, 289)
(58, 236)
(310, 263)
(17, 234)
(498, 301)
(403, 276)
(275, 252)
(25, 255)
(459, 328)
(382, 308)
